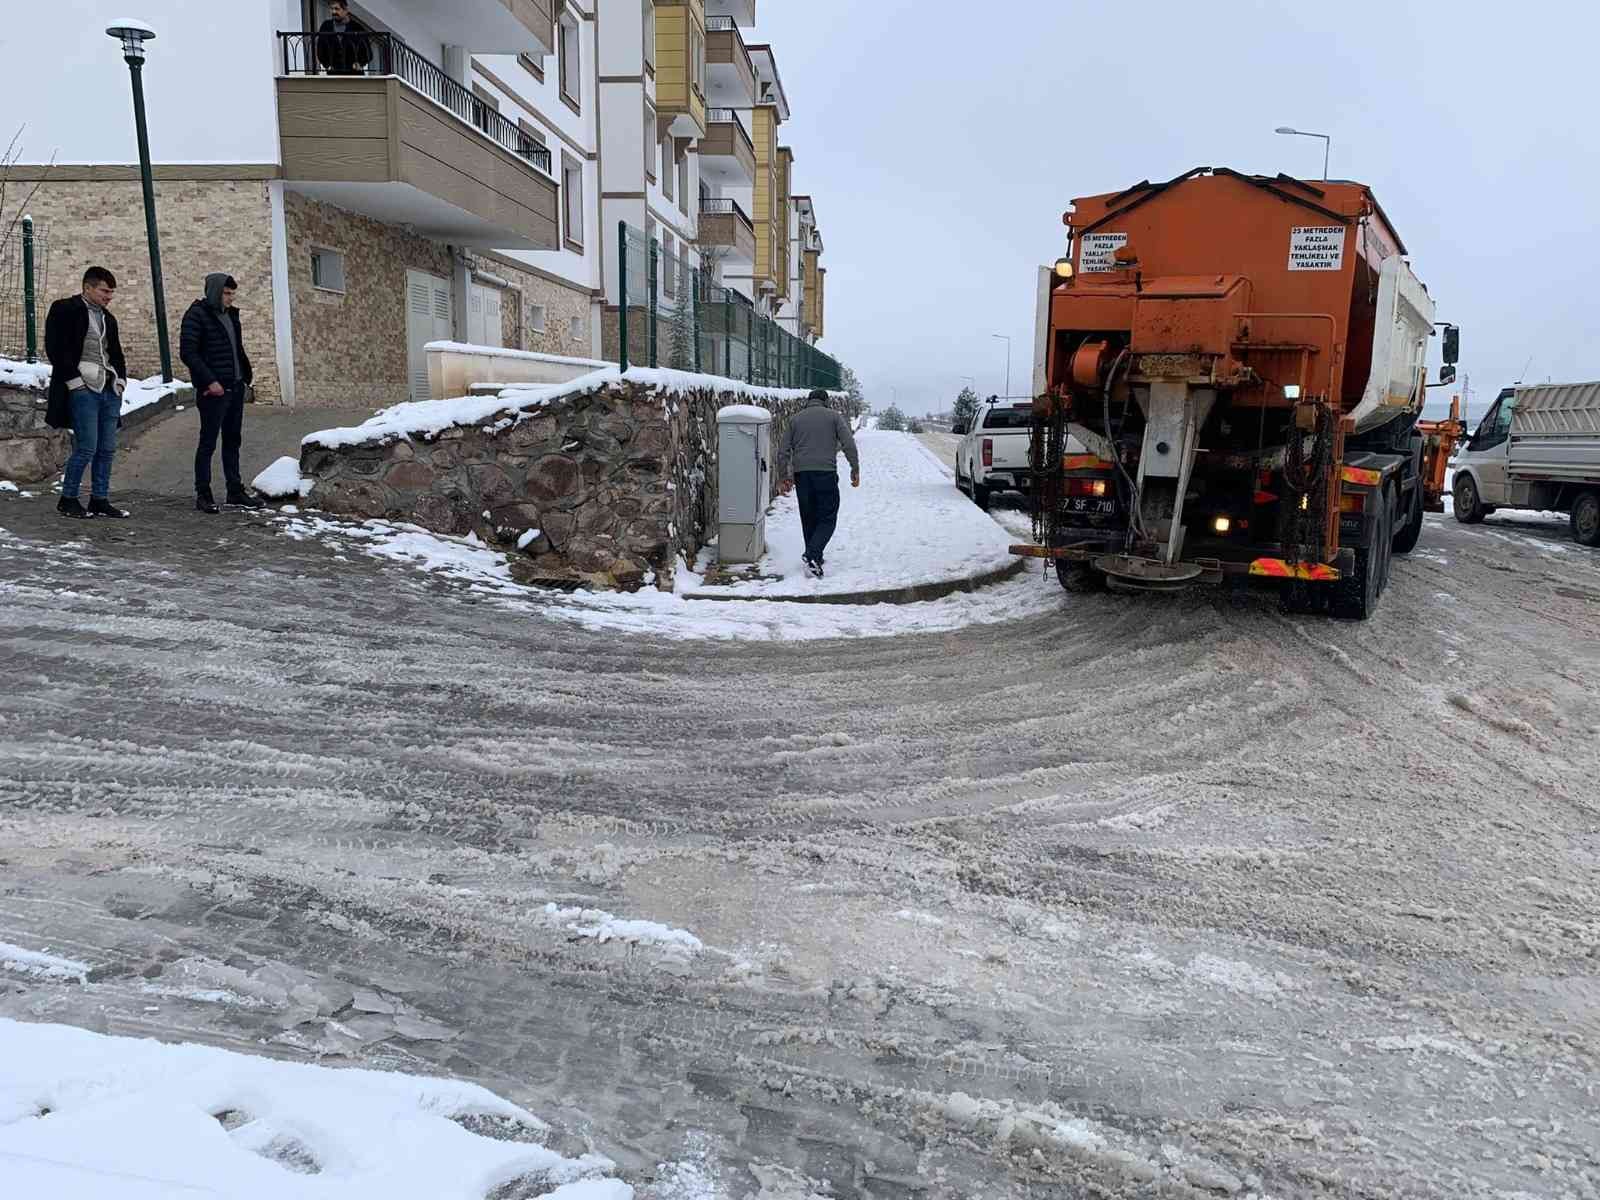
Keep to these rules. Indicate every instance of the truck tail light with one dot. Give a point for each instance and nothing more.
(1087, 487)
(988, 452)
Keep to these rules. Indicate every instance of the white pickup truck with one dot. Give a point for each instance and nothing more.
(993, 454)
(1537, 448)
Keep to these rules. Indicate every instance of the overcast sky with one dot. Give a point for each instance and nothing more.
(942, 141)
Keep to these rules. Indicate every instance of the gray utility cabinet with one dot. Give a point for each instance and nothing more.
(744, 482)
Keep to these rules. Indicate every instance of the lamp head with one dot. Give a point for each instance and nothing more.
(133, 34)
(1285, 129)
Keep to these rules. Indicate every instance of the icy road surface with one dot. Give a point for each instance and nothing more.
(1168, 896)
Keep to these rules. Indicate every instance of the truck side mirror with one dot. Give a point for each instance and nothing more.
(1447, 374)
(1452, 346)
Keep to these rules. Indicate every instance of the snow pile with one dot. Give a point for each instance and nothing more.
(524, 355)
(84, 1117)
(28, 376)
(40, 965)
(282, 480)
(605, 927)
(427, 418)
(141, 393)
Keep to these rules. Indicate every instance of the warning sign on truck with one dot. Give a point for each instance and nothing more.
(1316, 247)
(1097, 251)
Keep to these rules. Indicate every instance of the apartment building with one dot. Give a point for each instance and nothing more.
(801, 311)
(450, 171)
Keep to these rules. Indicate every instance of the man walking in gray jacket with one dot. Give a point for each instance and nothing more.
(808, 457)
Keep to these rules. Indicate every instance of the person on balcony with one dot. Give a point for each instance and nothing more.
(212, 347)
(344, 44)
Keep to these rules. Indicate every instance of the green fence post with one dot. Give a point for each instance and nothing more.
(653, 260)
(622, 293)
(750, 344)
(727, 333)
(27, 289)
(694, 299)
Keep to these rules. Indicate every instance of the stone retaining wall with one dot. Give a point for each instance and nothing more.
(30, 451)
(617, 476)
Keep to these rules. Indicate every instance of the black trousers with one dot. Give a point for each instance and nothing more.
(220, 415)
(818, 493)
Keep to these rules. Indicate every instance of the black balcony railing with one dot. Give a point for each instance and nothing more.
(722, 207)
(386, 54)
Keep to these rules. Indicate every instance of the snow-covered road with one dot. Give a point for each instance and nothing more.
(1171, 896)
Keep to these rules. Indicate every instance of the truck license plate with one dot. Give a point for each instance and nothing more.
(1083, 504)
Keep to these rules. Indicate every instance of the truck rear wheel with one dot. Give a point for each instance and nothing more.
(1469, 509)
(1355, 596)
(1079, 577)
(980, 495)
(1406, 538)
(1586, 519)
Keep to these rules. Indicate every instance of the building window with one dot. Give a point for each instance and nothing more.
(650, 146)
(571, 63)
(572, 200)
(650, 36)
(575, 329)
(669, 266)
(697, 54)
(536, 318)
(683, 176)
(533, 64)
(327, 270)
(669, 167)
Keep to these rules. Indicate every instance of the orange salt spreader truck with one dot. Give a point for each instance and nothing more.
(1240, 362)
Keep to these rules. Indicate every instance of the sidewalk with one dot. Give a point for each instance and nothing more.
(904, 535)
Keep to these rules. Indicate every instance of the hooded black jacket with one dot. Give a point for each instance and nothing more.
(204, 346)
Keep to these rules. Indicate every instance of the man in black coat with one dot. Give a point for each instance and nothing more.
(343, 47)
(212, 347)
(87, 378)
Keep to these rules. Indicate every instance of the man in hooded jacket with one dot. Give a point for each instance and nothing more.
(212, 347)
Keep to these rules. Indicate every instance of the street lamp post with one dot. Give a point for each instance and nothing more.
(1327, 143)
(1007, 341)
(133, 35)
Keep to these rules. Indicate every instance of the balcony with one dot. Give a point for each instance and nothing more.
(727, 156)
(405, 144)
(681, 66)
(478, 26)
(730, 75)
(725, 225)
(740, 12)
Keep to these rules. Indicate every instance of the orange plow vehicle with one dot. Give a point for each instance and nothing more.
(1228, 381)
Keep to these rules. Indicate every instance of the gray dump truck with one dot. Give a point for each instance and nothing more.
(1536, 448)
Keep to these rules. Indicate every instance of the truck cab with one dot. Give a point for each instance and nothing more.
(1482, 468)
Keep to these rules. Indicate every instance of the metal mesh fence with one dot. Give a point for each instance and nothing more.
(670, 315)
(24, 277)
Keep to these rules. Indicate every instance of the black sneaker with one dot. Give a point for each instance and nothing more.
(240, 498)
(814, 567)
(204, 502)
(100, 506)
(68, 506)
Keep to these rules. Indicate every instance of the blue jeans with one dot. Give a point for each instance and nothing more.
(818, 493)
(94, 440)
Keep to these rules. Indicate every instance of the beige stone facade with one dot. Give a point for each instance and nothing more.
(206, 225)
(550, 329)
(350, 347)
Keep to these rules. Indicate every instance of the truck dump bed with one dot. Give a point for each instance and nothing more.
(1555, 432)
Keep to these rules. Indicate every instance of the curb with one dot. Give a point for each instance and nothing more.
(914, 593)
